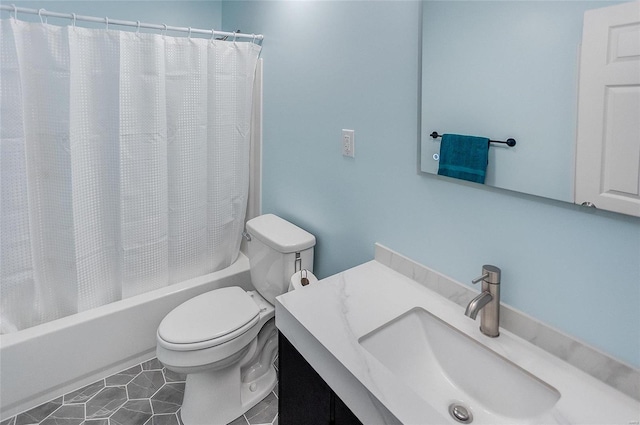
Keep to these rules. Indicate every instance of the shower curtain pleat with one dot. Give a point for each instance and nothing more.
(44, 67)
(124, 164)
(187, 89)
(95, 164)
(143, 163)
(16, 262)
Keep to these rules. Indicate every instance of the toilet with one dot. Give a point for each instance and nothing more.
(225, 340)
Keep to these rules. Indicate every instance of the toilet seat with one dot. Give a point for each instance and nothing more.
(207, 320)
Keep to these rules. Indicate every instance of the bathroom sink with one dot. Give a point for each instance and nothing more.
(446, 367)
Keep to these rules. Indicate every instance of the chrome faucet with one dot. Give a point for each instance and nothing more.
(488, 301)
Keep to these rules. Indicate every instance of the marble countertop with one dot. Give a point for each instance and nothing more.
(325, 321)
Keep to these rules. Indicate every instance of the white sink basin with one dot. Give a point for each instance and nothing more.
(445, 366)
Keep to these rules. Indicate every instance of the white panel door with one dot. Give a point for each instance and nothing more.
(608, 138)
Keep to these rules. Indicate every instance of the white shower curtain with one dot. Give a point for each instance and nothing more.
(124, 164)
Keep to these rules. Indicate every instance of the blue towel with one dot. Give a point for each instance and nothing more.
(464, 157)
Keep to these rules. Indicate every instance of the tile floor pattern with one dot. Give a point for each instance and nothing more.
(145, 394)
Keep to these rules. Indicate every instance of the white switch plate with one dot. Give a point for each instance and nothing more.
(348, 143)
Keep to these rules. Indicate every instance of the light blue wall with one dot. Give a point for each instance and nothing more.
(337, 64)
(195, 14)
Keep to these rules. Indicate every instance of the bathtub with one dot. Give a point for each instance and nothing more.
(45, 361)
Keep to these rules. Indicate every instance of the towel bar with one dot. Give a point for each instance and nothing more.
(508, 142)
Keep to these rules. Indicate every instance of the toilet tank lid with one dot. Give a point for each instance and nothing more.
(279, 234)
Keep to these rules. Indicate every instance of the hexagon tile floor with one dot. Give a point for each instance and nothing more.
(145, 394)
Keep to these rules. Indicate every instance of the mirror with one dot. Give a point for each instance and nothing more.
(505, 70)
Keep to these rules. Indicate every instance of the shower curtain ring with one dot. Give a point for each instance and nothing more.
(234, 36)
(164, 31)
(137, 27)
(189, 32)
(15, 11)
(213, 34)
(74, 20)
(106, 21)
(254, 39)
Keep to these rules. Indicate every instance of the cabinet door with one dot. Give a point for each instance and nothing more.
(303, 396)
(608, 138)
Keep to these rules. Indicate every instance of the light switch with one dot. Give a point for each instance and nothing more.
(348, 143)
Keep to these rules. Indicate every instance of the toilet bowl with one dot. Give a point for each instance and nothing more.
(225, 340)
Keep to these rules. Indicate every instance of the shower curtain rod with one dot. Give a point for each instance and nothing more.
(45, 13)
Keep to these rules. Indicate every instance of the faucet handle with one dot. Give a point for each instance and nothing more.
(478, 279)
(490, 274)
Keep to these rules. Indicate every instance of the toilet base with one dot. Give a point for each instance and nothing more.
(218, 396)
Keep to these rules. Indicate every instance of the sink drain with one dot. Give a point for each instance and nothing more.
(460, 413)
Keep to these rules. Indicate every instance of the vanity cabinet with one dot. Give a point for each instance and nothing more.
(303, 396)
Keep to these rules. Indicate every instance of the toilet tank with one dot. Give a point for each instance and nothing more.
(277, 250)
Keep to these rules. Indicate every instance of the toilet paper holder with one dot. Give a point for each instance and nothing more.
(304, 281)
(297, 264)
